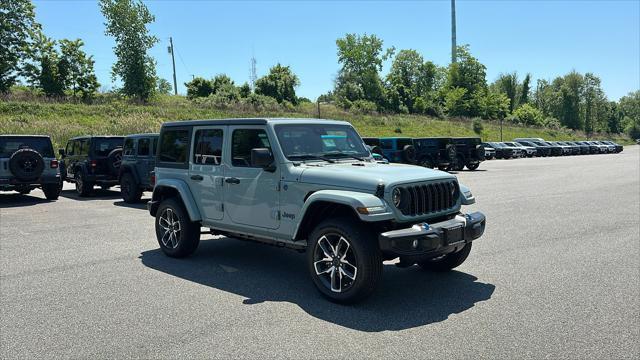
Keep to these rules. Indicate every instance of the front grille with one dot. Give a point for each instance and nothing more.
(423, 199)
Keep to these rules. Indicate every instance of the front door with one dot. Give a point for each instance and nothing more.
(206, 173)
(251, 193)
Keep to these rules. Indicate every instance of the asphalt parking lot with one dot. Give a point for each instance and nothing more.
(556, 275)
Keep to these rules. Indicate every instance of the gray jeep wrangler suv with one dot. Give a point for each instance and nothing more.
(311, 185)
(27, 162)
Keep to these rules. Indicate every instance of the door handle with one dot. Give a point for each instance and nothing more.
(196, 177)
(232, 180)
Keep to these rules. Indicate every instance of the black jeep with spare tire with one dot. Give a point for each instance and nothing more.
(138, 162)
(28, 162)
(92, 160)
(435, 152)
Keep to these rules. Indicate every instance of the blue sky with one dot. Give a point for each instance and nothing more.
(545, 38)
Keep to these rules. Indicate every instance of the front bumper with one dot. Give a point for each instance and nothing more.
(425, 241)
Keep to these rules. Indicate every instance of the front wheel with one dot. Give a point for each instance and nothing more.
(447, 262)
(177, 235)
(344, 260)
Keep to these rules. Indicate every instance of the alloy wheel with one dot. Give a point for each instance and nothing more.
(335, 263)
(171, 228)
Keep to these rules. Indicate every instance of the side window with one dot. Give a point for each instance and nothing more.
(84, 147)
(386, 144)
(128, 147)
(174, 146)
(144, 147)
(208, 147)
(69, 150)
(243, 140)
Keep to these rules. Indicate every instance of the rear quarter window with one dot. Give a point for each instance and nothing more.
(174, 147)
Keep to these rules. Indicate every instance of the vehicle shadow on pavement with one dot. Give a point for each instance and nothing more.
(141, 205)
(407, 298)
(18, 200)
(96, 194)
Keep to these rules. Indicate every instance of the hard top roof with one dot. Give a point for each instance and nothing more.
(22, 135)
(142, 135)
(97, 136)
(253, 121)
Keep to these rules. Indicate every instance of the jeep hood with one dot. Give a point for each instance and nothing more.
(367, 176)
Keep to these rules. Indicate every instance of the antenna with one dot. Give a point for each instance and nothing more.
(453, 32)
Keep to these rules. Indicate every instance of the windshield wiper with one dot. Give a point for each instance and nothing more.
(342, 154)
(310, 157)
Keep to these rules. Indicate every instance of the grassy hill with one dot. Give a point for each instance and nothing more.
(116, 117)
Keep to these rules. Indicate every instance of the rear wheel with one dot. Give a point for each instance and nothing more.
(472, 166)
(177, 235)
(129, 189)
(51, 191)
(448, 261)
(83, 187)
(344, 261)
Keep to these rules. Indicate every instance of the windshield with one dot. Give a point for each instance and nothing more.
(103, 146)
(319, 140)
(9, 145)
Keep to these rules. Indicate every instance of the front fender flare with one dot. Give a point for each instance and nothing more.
(185, 195)
(352, 199)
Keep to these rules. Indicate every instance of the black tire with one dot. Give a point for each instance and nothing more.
(472, 166)
(362, 250)
(51, 191)
(83, 188)
(443, 168)
(426, 162)
(172, 222)
(26, 164)
(114, 160)
(409, 154)
(458, 164)
(447, 262)
(129, 189)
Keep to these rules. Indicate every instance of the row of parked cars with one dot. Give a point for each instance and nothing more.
(305, 184)
(458, 153)
(530, 147)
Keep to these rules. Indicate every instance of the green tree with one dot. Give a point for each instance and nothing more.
(80, 75)
(198, 87)
(468, 74)
(524, 89)
(18, 28)
(245, 90)
(361, 58)
(164, 86)
(45, 70)
(279, 84)
(528, 115)
(221, 82)
(410, 79)
(630, 107)
(508, 85)
(126, 21)
(454, 102)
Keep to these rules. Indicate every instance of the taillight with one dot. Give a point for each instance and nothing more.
(153, 180)
(94, 163)
(54, 164)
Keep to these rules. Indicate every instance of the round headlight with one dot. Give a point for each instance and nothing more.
(396, 196)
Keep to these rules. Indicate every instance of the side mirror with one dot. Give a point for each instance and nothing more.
(261, 157)
(61, 152)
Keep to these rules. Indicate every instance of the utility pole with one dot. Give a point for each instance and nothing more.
(453, 32)
(173, 61)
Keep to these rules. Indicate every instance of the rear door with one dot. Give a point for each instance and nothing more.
(144, 160)
(206, 170)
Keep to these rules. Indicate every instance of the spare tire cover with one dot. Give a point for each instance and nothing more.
(114, 160)
(26, 164)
